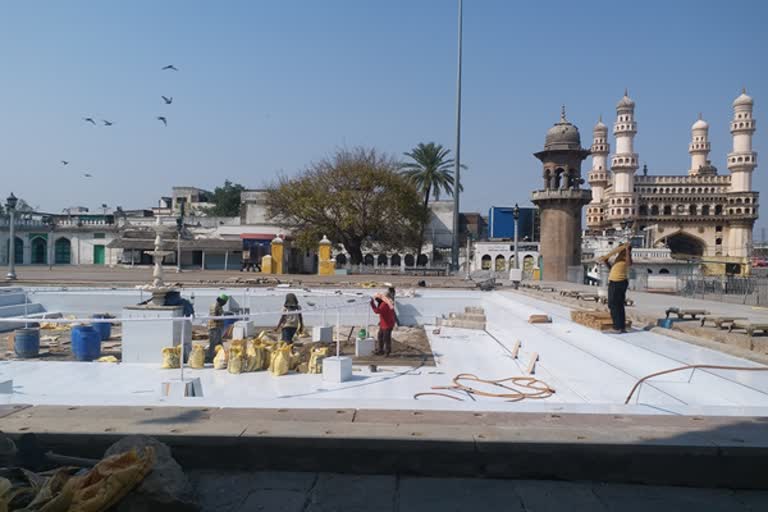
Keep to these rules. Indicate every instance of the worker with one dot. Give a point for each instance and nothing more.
(618, 283)
(383, 306)
(216, 325)
(391, 294)
(291, 321)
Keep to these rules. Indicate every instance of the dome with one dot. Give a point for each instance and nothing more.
(625, 102)
(700, 124)
(743, 99)
(563, 135)
(600, 126)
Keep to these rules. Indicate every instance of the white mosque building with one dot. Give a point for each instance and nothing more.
(702, 214)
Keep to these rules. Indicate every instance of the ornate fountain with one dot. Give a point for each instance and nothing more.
(158, 288)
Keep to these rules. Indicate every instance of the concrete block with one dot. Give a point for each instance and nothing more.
(516, 274)
(143, 341)
(243, 329)
(337, 369)
(474, 309)
(364, 347)
(324, 334)
(177, 388)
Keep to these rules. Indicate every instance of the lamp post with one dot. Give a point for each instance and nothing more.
(456, 174)
(179, 228)
(51, 224)
(10, 203)
(516, 216)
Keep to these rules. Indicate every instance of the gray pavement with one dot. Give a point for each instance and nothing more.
(327, 492)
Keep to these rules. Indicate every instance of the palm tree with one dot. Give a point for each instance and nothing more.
(431, 172)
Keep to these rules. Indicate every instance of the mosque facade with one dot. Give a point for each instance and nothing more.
(700, 214)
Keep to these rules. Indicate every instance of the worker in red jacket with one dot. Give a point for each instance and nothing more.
(384, 307)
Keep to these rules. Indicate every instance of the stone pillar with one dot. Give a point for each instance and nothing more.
(278, 251)
(326, 266)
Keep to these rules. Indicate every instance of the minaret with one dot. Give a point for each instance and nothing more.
(741, 162)
(598, 176)
(699, 147)
(560, 201)
(625, 161)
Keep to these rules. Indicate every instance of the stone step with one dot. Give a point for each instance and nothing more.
(473, 317)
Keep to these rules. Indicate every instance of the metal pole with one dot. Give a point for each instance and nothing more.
(178, 252)
(457, 172)
(11, 275)
(517, 261)
(338, 332)
(469, 241)
(181, 358)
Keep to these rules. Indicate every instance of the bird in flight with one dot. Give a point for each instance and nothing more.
(107, 123)
(65, 162)
(163, 119)
(167, 100)
(87, 175)
(89, 120)
(171, 67)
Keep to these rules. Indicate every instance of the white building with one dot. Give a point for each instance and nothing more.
(697, 214)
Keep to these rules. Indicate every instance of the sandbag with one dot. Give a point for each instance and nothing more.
(236, 361)
(197, 357)
(316, 359)
(269, 351)
(280, 362)
(220, 359)
(255, 353)
(171, 357)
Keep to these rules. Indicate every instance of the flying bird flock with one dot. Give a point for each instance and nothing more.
(167, 100)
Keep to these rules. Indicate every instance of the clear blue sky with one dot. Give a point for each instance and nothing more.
(267, 86)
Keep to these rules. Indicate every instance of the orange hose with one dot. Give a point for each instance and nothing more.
(693, 366)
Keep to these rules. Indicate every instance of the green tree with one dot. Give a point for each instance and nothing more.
(355, 197)
(431, 170)
(226, 200)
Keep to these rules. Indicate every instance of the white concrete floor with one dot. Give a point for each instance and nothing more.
(590, 371)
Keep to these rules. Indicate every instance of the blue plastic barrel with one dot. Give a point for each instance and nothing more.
(86, 343)
(229, 321)
(27, 342)
(103, 328)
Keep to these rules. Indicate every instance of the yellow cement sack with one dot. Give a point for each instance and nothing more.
(197, 357)
(107, 359)
(255, 353)
(236, 361)
(220, 359)
(280, 361)
(171, 357)
(316, 359)
(269, 351)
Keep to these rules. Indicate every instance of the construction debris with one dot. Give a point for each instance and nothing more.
(600, 320)
(471, 318)
(539, 319)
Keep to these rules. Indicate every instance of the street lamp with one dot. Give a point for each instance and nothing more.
(516, 216)
(457, 160)
(50, 246)
(10, 204)
(179, 229)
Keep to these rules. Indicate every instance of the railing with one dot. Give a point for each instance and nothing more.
(750, 290)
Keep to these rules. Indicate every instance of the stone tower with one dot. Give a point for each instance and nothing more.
(742, 162)
(624, 163)
(561, 200)
(699, 148)
(598, 177)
